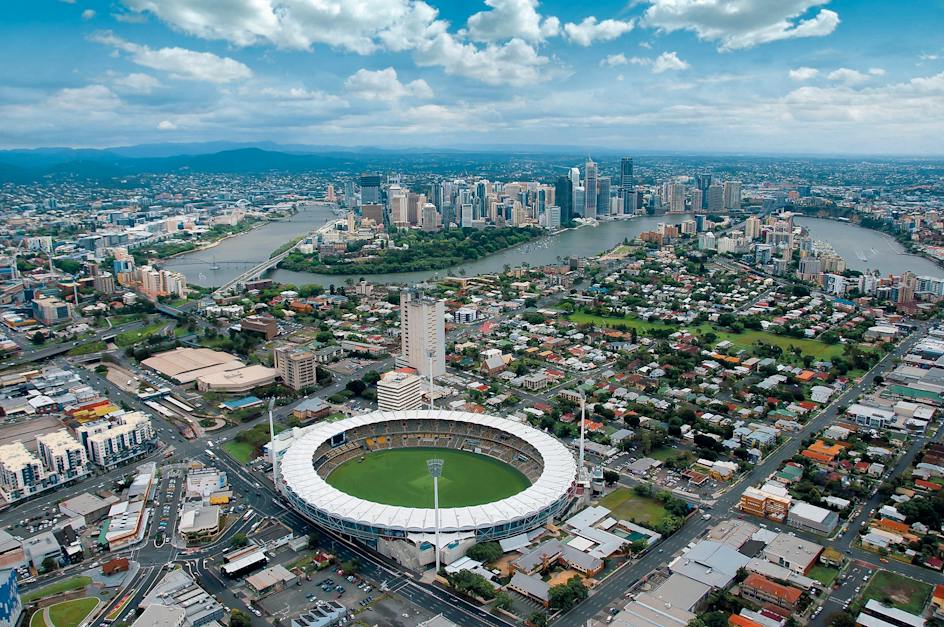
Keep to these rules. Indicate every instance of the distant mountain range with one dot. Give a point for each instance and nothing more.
(25, 165)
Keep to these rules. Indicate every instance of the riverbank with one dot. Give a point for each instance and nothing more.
(869, 249)
(208, 245)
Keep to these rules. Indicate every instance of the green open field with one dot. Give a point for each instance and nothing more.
(129, 338)
(86, 348)
(240, 451)
(72, 583)
(71, 613)
(745, 340)
(898, 591)
(627, 505)
(399, 477)
(826, 575)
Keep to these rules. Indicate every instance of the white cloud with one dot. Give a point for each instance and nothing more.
(384, 85)
(742, 23)
(927, 56)
(180, 62)
(91, 98)
(591, 30)
(88, 14)
(508, 64)
(877, 71)
(668, 62)
(614, 60)
(166, 125)
(803, 73)
(508, 19)
(296, 24)
(137, 83)
(847, 76)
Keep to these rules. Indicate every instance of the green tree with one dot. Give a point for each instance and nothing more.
(538, 619)
(239, 619)
(566, 595)
(38, 338)
(239, 540)
(486, 552)
(502, 600)
(610, 477)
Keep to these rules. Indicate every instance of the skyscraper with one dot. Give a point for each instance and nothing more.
(698, 199)
(422, 333)
(590, 186)
(626, 184)
(703, 182)
(715, 198)
(564, 197)
(676, 197)
(603, 196)
(732, 195)
(370, 188)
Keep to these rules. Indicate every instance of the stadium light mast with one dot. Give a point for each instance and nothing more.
(435, 467)
(272, 452)
(583, 432)
(429, 355)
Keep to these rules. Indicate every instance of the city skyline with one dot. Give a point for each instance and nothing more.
(798, 77)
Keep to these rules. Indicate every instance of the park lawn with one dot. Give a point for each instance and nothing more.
(744, 340)
(898, 591)
(129, 338)
(72, 583)
(37, 620)
(87, 348)
(664, 453)
(240, 451)
(400, 477)
(823, 574)
(71, 613)
(627, 505)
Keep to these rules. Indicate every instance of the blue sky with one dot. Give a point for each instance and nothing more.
(693, 76)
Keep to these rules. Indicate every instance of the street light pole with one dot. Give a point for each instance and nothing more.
(272, 453)
(583, 431)
(435, 467)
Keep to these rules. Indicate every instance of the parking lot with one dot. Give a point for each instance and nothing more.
(366, 601)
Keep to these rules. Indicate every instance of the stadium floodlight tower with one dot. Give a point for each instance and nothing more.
(272, 452)
(581, 472)
(435, 467)
(430, 354)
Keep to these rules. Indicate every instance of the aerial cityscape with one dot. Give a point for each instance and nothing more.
(500, 313)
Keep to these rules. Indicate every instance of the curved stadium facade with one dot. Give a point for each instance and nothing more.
(402, 531)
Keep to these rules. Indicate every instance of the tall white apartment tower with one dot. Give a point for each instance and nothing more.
(591, 183)
(422, 333)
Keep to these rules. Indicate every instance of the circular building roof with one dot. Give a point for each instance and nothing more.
(296, 469)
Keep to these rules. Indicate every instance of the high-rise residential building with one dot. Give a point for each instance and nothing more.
(104, 283)
(370, 188)
(732, 195)
(579, 201)
(399, 391)
(552, 217)
(626, 183)
(429, 218)
(63, 454)
(297, 366)
(349, 200)
(465, 215)
(422, 333)
(590, 186)
(116, 439)
(564, 195)
(752, 227)
(676, 197)
(574, 184)
(21, 473)
(703, 182)
(697, 199)
(603, 196)
(715, 198)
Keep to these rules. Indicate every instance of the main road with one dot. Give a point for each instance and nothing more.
(612, 589)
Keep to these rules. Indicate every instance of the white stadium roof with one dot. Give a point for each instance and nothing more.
(298, 473)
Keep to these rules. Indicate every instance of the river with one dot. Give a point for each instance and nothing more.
(237, 254)
(880, 251)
